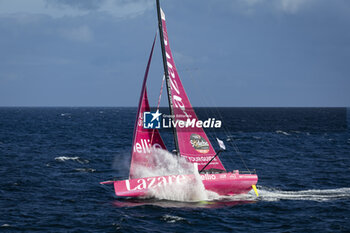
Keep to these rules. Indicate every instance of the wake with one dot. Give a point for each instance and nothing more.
(272, 195)
(320, 195)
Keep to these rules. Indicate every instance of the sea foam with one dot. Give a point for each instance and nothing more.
(319, 195)
(74, 158)
(168, 164)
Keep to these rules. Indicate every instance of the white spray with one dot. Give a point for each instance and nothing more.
(168, 164)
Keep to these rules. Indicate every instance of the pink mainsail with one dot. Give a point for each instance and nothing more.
(192, 141)
(144, 139)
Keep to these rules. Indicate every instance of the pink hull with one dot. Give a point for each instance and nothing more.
(231, 183)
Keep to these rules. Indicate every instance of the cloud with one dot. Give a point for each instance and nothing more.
(250, 7)
(78, 4)
(15, 8)
(81, 34)
(73, 8)
(293, 6)
(124, 8)
(251, 2)
(182, 58)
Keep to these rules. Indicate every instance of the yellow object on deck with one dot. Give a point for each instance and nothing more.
(255, 190)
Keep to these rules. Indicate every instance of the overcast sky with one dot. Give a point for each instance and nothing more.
(228, 52)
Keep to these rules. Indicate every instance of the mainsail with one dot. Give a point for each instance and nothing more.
(144, 139)
(191, 142)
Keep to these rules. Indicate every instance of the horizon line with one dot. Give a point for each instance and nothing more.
(91, 106)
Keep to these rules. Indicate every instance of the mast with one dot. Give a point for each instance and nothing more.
(166, 73)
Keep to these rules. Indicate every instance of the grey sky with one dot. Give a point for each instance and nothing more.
(228, 52)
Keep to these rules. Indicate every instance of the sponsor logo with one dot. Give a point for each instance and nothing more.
(161, 181)
(144, 146)
(199, 143)
(201, 159)
(192, 123)
(208, 177)
(153, 182)
(156, 120)
(151, 120)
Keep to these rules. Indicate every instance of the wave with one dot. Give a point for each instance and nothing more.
(172, 218)
(282, 132)
(85, 170)
(75, 158)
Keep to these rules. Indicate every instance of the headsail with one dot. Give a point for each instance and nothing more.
(193, 143)
(144, 139)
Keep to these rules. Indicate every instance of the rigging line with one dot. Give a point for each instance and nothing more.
(210, 135)
(226, 131)
(233, 144)
(206, 111)
(161, 91)
(194, 84)
(202, 98)
(159, 99)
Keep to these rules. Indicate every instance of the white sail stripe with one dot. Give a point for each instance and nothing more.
(162, 14)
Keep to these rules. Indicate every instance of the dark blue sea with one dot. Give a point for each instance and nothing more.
(52, 160)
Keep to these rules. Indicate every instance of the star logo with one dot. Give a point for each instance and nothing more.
(156, 115)
(151, 120)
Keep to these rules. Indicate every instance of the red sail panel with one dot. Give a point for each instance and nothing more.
(193, 142)
(144, 139)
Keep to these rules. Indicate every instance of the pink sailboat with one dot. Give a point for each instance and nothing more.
(191, 142)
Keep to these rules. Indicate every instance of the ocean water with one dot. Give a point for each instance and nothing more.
(52, 160)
